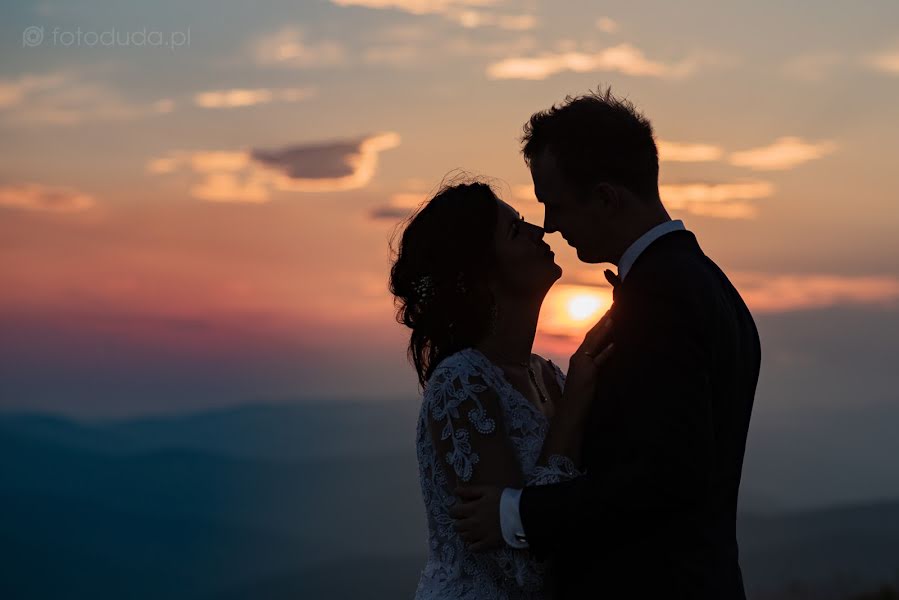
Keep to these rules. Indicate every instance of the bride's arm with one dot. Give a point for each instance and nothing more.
(465, 421)
(466, 424)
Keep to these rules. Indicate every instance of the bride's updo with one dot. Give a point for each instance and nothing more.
(440, 273)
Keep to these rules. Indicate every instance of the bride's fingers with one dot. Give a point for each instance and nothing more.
(598, 337)
(600, 324)
(603, 356)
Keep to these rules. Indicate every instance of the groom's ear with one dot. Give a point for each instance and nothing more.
(606, 197)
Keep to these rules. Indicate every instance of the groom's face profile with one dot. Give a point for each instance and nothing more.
(583, 220)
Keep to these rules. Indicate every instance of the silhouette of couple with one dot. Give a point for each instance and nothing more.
(618, 479)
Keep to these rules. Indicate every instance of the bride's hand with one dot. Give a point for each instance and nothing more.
(586, 362)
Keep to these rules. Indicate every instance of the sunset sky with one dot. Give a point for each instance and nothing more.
(200, 217)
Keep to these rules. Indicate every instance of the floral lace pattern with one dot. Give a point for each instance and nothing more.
(452, 570)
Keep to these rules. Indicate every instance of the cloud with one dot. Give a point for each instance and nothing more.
(331, 166)
(388, 213)
(720, 200)
(686, 152)
(472, 19)
(417, 7)
(607, 25)
(765, 293)
(399, 206)
(238, 97)
(724, 210)
(232, 187)
(43, 198)
(680, 193)
(251, 176)
(885, 62)
(13, 92)
(784, 153)
(64, 98)
(623, 58)
(467, 13)
(427, 53)
(818, 66)
(288, 48)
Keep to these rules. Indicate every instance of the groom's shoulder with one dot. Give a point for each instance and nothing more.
(676, 267)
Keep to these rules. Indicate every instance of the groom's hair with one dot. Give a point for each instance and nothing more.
(594, 138)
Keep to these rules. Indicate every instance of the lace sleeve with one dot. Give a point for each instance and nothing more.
(559, 467)
(465, 419)
(467, 427)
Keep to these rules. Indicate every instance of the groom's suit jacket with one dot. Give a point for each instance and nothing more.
(654, 516)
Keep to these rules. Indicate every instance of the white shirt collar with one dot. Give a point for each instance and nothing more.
(636, 249)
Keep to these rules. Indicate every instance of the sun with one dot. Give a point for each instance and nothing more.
(571, 310)
(583, 306)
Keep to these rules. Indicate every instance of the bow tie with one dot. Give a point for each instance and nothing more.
(612, 278)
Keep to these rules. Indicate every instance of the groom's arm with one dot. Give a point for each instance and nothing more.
(658, 391)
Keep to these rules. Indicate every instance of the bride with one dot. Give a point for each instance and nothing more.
(469, 278)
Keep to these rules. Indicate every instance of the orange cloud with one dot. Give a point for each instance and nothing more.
(885, 62)
(43, 198)
(400, 206)
(64, 98)
(467, 13)
(677, 194)
(418, 7)
(251, 176)
(784, 153)
(607, 25)
(288, 48)
(238, 97)
(722, 200)
(766, 293)
(472, 19)
(687, 152)
(724, 210)
(623, 58)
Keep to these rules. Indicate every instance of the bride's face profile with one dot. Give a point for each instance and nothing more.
(524, 262)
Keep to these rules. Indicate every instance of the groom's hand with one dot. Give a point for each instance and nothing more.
(476, 515)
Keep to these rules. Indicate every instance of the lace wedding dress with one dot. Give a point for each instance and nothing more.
(466, 403)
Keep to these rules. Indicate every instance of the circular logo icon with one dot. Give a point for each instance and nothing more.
(33, 36)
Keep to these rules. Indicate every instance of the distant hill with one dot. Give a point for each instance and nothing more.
(276, 502)
(311, 430)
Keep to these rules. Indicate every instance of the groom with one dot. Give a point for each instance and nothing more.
(654, 515)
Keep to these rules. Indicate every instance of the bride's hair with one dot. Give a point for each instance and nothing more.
(440, 273)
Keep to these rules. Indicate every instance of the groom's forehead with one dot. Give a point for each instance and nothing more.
(544, 172)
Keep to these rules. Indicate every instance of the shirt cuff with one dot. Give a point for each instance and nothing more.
(510, 518)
